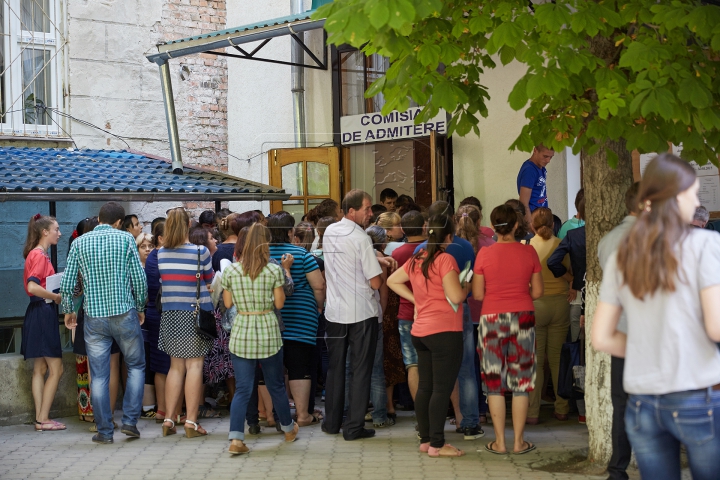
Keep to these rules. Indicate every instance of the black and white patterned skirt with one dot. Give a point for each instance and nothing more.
(177, 335)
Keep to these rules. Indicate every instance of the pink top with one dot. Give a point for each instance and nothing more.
(435, 315)
(37, 269)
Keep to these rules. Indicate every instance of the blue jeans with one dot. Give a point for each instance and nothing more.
(378, 394)
(658, 424)
(410, 356)
(99, 334)
(467, 377)
(274, 374)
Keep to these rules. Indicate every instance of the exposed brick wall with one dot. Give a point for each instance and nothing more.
(201, 100)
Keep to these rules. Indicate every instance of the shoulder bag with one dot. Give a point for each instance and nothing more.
(204, 320)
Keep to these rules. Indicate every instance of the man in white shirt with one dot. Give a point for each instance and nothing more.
(352, 273)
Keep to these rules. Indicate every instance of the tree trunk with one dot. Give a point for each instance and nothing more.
(605, 208)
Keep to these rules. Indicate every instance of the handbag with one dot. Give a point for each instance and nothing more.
(158, 300)
(572, 355)
(204, 320)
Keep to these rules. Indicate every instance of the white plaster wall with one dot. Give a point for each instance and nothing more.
(260, 110)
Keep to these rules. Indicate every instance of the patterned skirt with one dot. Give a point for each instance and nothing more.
(218, 365)
(177, 335)
(83, 386)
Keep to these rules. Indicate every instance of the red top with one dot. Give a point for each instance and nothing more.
(507, 268)
(37, 268)
(401, 255)
(435, 315)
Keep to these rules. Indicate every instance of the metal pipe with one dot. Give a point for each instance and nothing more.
(171, 118)
(297, 55)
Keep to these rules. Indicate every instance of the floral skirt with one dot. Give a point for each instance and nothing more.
(83, 386)
(218, 365)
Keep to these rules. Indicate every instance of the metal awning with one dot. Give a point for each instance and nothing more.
(216, 42)
(63, 175)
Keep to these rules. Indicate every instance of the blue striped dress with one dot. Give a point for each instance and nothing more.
(299, 314)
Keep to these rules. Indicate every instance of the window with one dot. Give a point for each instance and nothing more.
(357, 73)
(31, 67)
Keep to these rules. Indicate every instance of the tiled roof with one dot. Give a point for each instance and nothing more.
(69, 175)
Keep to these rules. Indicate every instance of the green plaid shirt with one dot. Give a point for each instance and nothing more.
(254, 336)
(112, 275)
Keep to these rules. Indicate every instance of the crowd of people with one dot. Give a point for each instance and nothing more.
(360, 297)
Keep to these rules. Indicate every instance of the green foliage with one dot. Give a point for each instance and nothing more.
(643, 70)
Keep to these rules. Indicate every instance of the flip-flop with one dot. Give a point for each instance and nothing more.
(48, 426)
(488, 448)
(456, 452)
(315, 420)
(531, 447)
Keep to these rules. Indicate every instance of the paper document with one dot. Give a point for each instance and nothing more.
(465, 277)
(52, 284)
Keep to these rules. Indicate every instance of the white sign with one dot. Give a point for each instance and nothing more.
(701, 170)
(374, 127)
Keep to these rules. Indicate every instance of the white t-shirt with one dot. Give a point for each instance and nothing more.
(350, 263)
(668, 349)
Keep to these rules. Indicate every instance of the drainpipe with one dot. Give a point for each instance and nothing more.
(297, 55)
(171, 118)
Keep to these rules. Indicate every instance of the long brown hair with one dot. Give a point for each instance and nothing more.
(647, 259)
(177, 227)
(256, 253)
(466, 219)
(542, 222)
(36, 225)
(439, 227)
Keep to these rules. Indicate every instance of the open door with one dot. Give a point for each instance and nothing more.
(309, 175)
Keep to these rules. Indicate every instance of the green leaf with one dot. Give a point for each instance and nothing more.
(552, 16)
(507, 54)
(480, 23)
(694, 92)
(449, 53)
(425, 8)
(378, 12)
(518, 96)
(401, 12)
(508, 33)
(535, 86)
(429, 55)
(635, 103)
(376, 87)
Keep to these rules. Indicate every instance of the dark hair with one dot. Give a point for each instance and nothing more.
(79, 230)
(280, 226)
(439, 227)
(474, 201)
(224, 212)
(410, 207)
(542, 222)
(354, 199)
(199, 236)
(305, 232)
(36, 225)
(110, 213)
(412, 223)
(127, 221)
(648, 257)
(557, 224)
(441, 207)
(155, 222)
(378, 236)
(158, 231)
(580, 203)
(377, 209)
(503, 219)
(240, 244)
(243, 220)
(209, 217)
(326, 208)
(387, 193)
(466, 219)
(523, 228)
(631, 198)
(322, 224)
(404, 200)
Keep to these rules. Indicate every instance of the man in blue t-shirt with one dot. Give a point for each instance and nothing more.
(532, 180)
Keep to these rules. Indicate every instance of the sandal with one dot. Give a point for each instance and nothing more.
(207, 412)
(446, 450)
(488, 448)
(530, 448)
(168, 430)
(315, 420)
(49, 426)
(195, 430)
(87, 418)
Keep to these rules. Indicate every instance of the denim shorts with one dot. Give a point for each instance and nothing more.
(410, 358)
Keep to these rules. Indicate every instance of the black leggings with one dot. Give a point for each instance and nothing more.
(439, 359)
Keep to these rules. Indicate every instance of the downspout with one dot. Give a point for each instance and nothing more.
(171, 118)
(297, 56)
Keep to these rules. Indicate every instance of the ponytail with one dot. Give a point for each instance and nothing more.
(467, 219)
(36, 225)
(439, 227)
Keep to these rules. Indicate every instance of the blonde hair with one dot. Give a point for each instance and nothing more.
(177, 228)
(542, 222)
(466, 220)
(388, 220)
(256, 252)
(142, 238)
(225, 226)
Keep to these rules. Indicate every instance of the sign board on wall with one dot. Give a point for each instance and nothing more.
(708, 174)
(374, 127)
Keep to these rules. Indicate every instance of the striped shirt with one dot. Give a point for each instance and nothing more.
(112, 275)
(178, 267)
(299, 314)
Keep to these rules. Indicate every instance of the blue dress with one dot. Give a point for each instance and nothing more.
(41, 327)
(159, 361)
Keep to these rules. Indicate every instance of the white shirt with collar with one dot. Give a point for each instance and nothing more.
(350, 263)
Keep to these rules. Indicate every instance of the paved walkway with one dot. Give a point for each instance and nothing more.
(392, 454)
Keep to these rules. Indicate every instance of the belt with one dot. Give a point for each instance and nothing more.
(255, 313)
